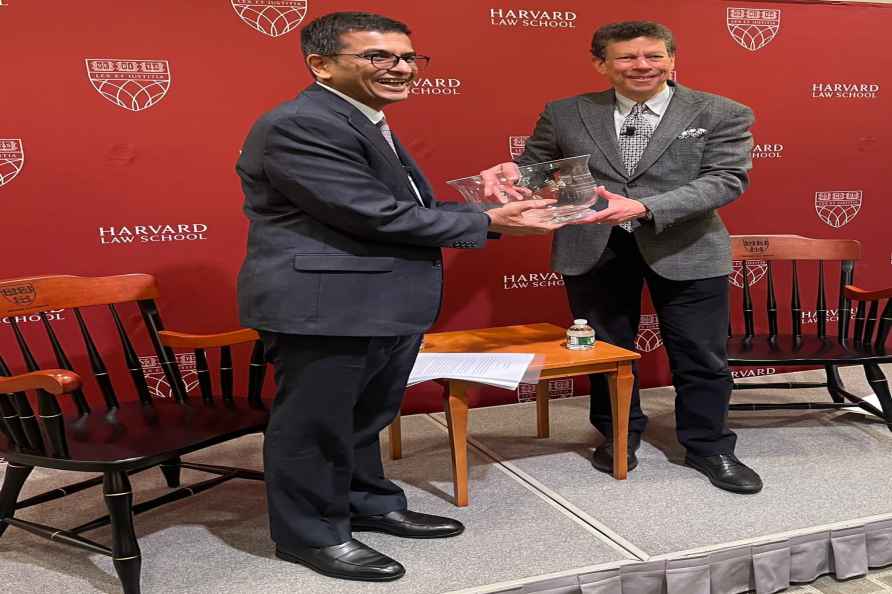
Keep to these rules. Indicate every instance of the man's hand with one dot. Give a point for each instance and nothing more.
(619, 210)
(530, 217)
(498, 181)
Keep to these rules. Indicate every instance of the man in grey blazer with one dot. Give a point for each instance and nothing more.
(343, 273)
(667, 157)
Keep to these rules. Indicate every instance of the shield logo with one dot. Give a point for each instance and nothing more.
(838, 208)
(158, 385)
(648, 338)
(134, 85)
(516, 145)
(755, 271)
(271, 17)
(753, 28)
(12, 158)
(19, 294)
(557, 388)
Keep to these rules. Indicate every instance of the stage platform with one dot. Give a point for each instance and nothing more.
(541, 518)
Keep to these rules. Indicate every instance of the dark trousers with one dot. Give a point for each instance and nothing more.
(321, 456)
(693, 317)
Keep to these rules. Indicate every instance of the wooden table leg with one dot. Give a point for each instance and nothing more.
(456, 405)
(396, 438)
(621, 383)
(542, 424)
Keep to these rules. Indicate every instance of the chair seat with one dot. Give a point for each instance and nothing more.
(135, 435)
(804, 350)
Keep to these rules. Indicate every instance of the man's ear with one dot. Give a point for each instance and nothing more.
(319, 66)
(599, 65)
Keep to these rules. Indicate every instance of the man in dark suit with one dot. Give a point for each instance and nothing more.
(342, 276)
(668, 157)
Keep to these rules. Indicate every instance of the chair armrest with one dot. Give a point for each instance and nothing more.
(206, 341)
(54, 381)
(853, 292)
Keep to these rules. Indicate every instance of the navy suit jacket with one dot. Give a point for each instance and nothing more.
(338, 244)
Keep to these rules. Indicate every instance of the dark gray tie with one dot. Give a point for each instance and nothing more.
(388, 135)
(634, 135)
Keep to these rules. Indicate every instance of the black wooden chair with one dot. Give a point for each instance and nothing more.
(762, 343)
(89, 425)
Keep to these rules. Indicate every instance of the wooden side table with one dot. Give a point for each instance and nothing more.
(541, 339)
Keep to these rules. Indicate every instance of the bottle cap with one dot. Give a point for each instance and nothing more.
(580, 322)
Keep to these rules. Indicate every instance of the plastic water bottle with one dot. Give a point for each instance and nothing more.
(580, 336)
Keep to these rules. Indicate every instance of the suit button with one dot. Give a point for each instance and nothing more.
(437, 264)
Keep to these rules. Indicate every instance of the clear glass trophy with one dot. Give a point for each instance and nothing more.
(568, 181)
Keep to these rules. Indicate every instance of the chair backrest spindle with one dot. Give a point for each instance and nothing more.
(62, 360)
(795, 304)
(771, 303)
(748, 321)
(166, 356)
(131, 359)
(821, 301)
(204, 376)
(100, 372)
(226, 373)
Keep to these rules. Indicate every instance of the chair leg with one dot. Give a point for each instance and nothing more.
(119, 500)
(16, 475)
(171, 470)
(834, 383)
(880, 387)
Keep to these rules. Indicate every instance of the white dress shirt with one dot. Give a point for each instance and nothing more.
(656, 107)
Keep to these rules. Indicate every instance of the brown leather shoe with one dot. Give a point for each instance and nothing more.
(351, 560)
(602, 457)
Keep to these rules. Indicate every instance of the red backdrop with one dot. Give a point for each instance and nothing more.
(122, 123)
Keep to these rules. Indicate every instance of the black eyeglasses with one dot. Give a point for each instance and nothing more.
(386, 60)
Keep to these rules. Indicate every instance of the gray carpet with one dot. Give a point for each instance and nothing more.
(218, 542)
(820, 469)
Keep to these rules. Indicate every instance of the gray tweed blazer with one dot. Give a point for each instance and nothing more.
(695, 163)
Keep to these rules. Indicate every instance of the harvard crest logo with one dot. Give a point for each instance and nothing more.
(132, 84)
(648, 338)
(19, 294)
(271, 17)
(12, 158)
(158, 385)
(838, 208)
(755, 271)
(516, 145)
(753, 28)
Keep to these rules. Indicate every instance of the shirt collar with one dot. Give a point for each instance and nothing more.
(656, 104)
(373, 115)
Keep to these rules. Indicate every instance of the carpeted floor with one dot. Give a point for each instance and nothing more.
(537, 507)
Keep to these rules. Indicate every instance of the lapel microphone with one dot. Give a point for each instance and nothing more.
(629, 131)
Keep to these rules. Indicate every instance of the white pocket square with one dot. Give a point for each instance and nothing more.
(692, 133)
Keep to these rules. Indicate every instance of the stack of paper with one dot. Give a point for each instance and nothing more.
(503, 370)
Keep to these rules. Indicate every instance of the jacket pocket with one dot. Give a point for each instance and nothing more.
(342, 263)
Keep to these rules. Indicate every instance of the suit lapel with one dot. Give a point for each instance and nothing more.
(596, 112)
(372, 133)
(682, 109)
(414, 171)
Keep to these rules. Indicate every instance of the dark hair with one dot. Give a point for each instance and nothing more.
(630, 30)
(323, 35)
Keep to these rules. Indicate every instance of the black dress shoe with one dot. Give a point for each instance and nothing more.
(726, 472)
(602, 457)
(408, 524)
(350, 560)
